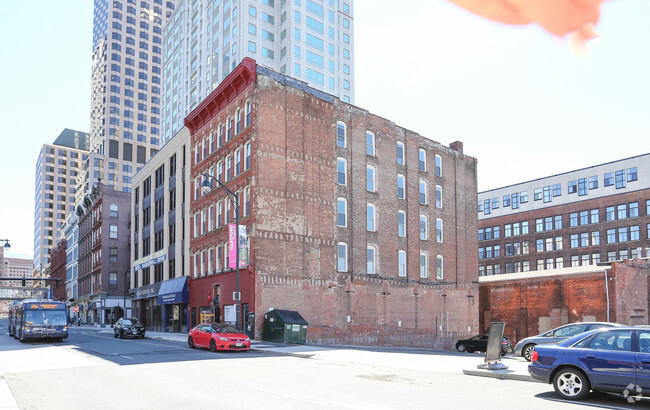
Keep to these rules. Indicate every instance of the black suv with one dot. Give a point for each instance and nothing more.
(128, 327)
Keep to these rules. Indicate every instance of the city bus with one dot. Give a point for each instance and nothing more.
(38, 319)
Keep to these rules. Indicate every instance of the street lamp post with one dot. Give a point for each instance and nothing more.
(6, 243)
(206, 186)
(126, 274)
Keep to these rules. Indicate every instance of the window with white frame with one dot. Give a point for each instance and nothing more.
(423, 192)
(424, 265)
(424, 228)
(401, 263)
(371, 217)
(440, 273)
(401, 223)
(113, 231)
(400, 153)
(341, 135)
(438, 165)
(341, 171)
(342, 256)
(422, 160)
(371, 255)
(113, 211)
(370, 143)
(438, 196)
(401, 183)
(342, 212)
(439, 232)
(370, 179)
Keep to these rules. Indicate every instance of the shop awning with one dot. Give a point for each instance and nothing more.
(173, 291)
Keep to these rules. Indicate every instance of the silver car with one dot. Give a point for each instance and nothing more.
(525, 346)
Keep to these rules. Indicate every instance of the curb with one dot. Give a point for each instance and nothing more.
(500, 374)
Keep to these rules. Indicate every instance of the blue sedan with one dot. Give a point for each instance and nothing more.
(613, 360)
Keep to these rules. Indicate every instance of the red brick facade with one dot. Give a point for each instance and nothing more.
(531, 303)
(57, 270)
(294, 232)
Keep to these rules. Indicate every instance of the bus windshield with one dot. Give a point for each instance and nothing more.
(45, 317)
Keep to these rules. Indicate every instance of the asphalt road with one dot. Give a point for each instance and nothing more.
(91, 369)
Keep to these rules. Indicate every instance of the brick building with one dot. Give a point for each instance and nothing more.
(366, 228)
(58, 271)
(533, 302)
(104, 250)
(578, 218)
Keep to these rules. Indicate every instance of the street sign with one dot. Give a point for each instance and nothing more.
(75, 309)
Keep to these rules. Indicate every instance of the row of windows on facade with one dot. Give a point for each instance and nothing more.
(62, 162)
(143, 4)
(372, 221)
(371, 150)
(371, 183)
(372, 262)
(581, 240)
(547, 193)
(222, 213)
(558, 263)
(550, 223)
(214, 260)
(62, 171)
(143, 276)
(224, 133)
(63, 154)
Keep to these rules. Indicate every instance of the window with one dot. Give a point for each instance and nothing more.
(340, 134)
(573, 219)
(593, 182)
(370, 179)
(557, 190)
(631, 174)
(112, 256)
(634, 210)
(621, 211)
(113, 211)
(112, 280)
(572, 187)
(422, 160)
(622, 234)
(537, 195)
(424, 228)
(440, 274)
(595, 238)
(423, 192)
(424, 265)
(634, 233)
(401, 263)
(594, 218)
(113, 231)
(611, 236)
(584, 217)
(370, 258)
(342, 256)
(342, 212)
(370, 143)
(400, 153)
(438, 165)
(608, 180)
(400, 186)
(547, 194)
(341, 171)
(439, 233)
(582, 187)
(620, 179)
(401, 223)
(371, 217)
(610, 214)
(438, 196)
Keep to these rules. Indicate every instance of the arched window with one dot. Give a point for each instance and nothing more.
(401, 183)
(371, 260)
(438, 196)
(371, 218)
(370, 143)
(424, 228)
(440, 273)
(248, 113)
(401, 263)
(238, 118)
(422, 160)
(247, 151)
(438, 165)
(400, 153)
(401, 223)
(341, 134)
(342, 257)
(439, 233)
(341, 171)
(424, 265)
(371, 179)
(423, 192)
(342, 212)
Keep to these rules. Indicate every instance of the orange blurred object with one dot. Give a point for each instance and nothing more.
(558, 17)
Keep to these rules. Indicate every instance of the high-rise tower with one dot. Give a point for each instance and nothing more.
(311, 40)
(126, 89)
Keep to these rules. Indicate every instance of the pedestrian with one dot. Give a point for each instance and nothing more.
(79, 321)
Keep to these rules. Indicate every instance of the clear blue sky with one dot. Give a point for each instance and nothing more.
(520, 101)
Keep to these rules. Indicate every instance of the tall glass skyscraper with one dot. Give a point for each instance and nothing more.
(125, 127)
(311, 40)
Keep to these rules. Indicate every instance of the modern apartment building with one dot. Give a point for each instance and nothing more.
(160, 238)
(126, 89)
(582, 217)
(310, 40)
(57, 171)
(365, 228)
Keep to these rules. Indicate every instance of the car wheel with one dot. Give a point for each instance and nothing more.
(527, 352)
(190, 342)
(461, 347)
(571, 384)
(213, 346)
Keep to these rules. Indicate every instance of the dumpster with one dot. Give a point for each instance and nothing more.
(284, 326)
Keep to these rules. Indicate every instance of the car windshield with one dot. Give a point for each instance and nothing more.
(131, 322)
(224, 328)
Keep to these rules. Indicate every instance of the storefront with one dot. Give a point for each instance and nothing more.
(146, 307)
(174, 297)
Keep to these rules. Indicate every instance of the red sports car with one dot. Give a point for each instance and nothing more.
(218, 336)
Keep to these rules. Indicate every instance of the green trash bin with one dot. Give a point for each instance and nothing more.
(284, 326)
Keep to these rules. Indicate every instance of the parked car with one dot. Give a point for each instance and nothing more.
(218, 336)
(525, 346)
(607, 359)
(128, 327)
(478, 343)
